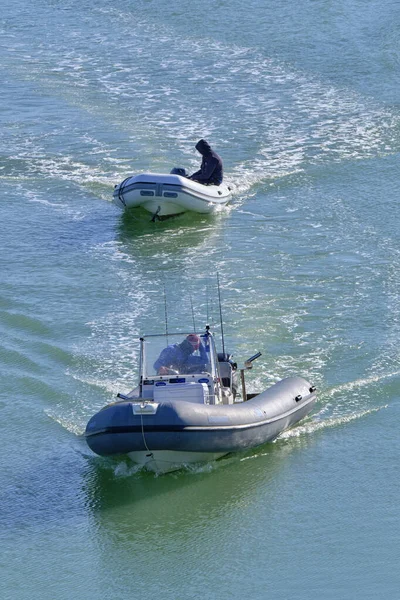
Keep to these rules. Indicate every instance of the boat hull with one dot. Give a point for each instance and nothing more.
(200, 431)
(167, 195)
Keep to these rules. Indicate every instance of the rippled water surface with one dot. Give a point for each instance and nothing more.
(302, 102)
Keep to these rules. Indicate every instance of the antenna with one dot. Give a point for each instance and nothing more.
(220, 314)
(165, 310)
(207, 305)
(191, 304)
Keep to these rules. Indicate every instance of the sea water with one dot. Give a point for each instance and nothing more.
(301, 100)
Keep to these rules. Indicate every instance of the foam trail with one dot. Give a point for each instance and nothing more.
(273, 121)
(359, 383)
(313, 426)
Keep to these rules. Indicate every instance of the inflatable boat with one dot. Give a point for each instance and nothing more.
(191, 406)
(165, 195)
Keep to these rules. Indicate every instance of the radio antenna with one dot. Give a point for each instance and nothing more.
(220, 314)
(191, 304)
(165, 311)
(207, 305)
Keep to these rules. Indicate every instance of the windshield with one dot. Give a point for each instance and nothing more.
(174, 354)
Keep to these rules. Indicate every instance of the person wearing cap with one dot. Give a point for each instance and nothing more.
(211, 170)
(179, 357)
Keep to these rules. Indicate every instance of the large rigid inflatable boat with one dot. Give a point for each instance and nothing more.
(194, 412)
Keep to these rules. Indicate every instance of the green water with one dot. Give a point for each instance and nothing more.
(302, 103)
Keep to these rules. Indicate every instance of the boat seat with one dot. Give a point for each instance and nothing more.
(227, 371)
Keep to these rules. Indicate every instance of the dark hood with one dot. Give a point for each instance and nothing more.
(203, 147)
(186, 347)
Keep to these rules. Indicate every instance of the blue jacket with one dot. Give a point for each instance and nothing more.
(211, 170)
(180, 359)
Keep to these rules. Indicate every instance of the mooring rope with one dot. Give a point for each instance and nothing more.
(144, 439)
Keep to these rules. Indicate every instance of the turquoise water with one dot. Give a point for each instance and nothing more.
(302, 102)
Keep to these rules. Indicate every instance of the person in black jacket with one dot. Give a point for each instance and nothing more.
(211, 170)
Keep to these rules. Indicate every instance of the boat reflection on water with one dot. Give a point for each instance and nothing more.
(115, 490)
(176, 234)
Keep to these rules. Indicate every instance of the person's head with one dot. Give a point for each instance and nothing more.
(203, 147)
(194, 340)
(191, 343)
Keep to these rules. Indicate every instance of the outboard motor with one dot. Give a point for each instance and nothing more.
(178, 171)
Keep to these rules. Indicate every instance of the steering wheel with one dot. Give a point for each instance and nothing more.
(167, 371)
(200, 368)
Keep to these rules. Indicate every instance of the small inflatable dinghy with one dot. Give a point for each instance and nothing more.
(165, 195)
(191, 406)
